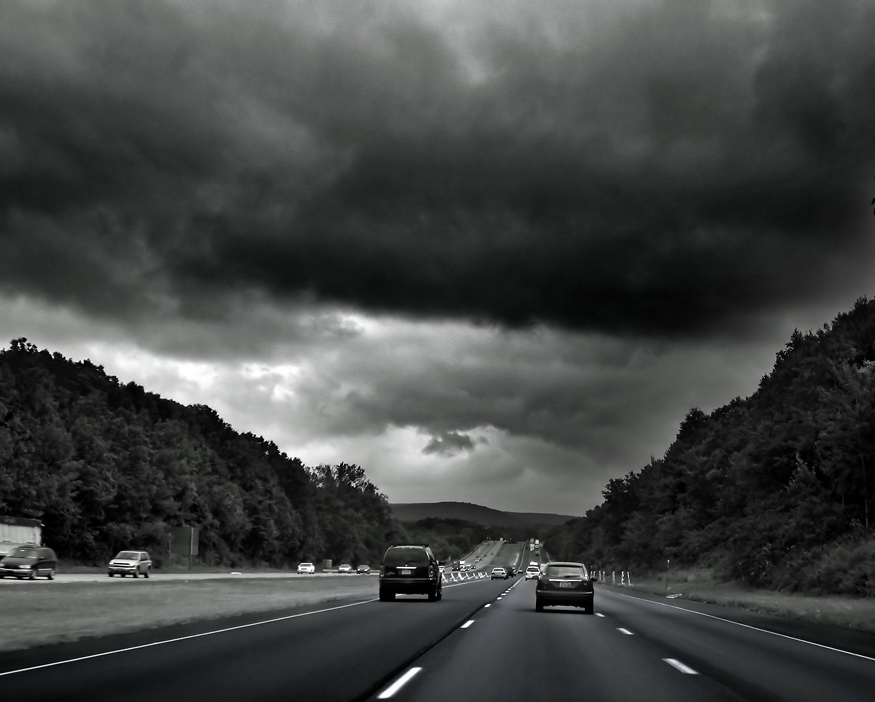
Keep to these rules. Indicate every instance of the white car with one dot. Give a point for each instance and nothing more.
(533, 572)
(306, 569)
(344, 568)
(133, 563)
(498, 573)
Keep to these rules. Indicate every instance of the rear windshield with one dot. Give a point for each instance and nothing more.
(23, 553)
(405, 556)
(566, 571)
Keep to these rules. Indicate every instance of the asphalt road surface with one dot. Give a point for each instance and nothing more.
(483, 641)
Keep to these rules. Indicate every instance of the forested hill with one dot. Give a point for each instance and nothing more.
(107, 466)
(775, 490)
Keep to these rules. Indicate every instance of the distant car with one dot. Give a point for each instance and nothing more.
(410, 570)
(363, 570)
(134, 563)
(533, 572)
(29, 562)
(442, 568)
(498, 573)
(533, 563)
(344, 568)
(306, 569)
(564, 584)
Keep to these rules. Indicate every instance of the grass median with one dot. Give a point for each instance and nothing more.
(39, 613)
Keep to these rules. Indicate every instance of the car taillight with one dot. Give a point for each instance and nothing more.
(431, 571)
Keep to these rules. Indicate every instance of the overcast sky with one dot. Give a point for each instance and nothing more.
(491, 251)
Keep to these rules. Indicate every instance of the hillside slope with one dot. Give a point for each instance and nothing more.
(106, 466)
(414, 511)
(775, 490)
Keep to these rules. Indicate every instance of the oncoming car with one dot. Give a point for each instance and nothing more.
(533, 572)
(564, 584)
(410, 570)
(306, 569)
(344, 568)
(498, 573)
(363, 570)
(134, 563)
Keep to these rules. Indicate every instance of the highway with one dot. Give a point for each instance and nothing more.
(483, 641)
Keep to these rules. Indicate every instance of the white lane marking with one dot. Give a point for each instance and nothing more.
(748, 626)
(675, 663)
(182, 638)
(398, 684)
(488, 605)
(467, 624)
(624, 631)
(599, 614)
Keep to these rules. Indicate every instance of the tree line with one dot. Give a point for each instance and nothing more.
(107, 466)
(775, 490)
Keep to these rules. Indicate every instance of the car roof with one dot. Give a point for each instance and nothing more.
(565, 563)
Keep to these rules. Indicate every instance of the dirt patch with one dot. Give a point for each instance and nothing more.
(40, 613)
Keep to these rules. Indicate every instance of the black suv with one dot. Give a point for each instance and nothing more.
(410, 570)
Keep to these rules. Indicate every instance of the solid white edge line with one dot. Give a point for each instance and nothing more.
(748, 626)
(675, 663)
(467, 624)
(624, 631)
(182, 638)
(398, 684)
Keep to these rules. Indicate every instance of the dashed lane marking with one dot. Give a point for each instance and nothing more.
(467, 624)
(624, 631)
(599, 614)
(675, 663)
(398, 684)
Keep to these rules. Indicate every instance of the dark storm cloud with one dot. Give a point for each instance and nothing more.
(450, 443)
(660, 168)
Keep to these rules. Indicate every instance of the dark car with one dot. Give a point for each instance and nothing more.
(363, 570)
(410, 570)
(566, 584)
(29, 562)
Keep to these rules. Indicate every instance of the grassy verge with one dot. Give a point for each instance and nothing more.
(699, 586)
(33, 616)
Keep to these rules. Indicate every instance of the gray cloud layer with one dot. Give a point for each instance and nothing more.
(662, 168)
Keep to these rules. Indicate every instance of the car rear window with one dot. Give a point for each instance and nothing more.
(565, 571)
(405, 556)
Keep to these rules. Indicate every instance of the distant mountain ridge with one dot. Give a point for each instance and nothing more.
(414, 511)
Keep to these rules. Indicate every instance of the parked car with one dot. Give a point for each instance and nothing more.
(498, 573)
(29, 562)
(410, 570)
(133, 563)
(306, 569)
(533, 572)
(564, 584)
(363, 570)
(344, 568)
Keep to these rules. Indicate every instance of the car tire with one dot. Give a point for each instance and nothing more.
(433, 595)
(50, 575)
(135, 574)
(539, 606)
(386, 596)
(32, 575)
(146, 574)
(589, 607)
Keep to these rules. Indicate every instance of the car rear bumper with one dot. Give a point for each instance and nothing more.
(409, 586)
(569, 599)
